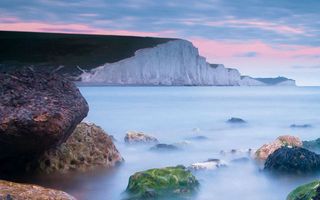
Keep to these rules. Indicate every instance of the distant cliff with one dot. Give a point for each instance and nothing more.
(119, 60)
(172, 63)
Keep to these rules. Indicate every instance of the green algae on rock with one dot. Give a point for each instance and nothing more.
(18, 191)
(162, 182)
(87, 147)
(310, 191)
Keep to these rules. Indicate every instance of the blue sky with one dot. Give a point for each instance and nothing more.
(259, 37)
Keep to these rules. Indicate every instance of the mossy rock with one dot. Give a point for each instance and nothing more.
(163, 182)
(310, 191)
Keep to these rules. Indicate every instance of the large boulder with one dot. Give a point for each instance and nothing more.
(38, 111)
(160, 183)
(133, 137)
(310, 191)
(295, 160)
(17, 191)
(88, 147)
(285, 140)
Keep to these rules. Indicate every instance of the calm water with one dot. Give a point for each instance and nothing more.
(172, 113)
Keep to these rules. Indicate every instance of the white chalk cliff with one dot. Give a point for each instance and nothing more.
(176, 62)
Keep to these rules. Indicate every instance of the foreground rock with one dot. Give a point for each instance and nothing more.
(139, 137)
(88, 147)
(310, 191)
(210, 164)
(293, 160)
(164, 182)
(37, 111)
(235, 120)
(267, 149)
(164, 147)
(11, 191)
(313, 145)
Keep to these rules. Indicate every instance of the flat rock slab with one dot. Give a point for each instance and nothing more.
(38, 111)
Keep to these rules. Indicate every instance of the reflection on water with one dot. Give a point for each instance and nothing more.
(176, 114)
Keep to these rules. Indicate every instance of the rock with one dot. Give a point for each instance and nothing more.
(38, 111)
(310, 191)
(210, 164)
(267, 149)
(88, 147)
(199, 137)
(300, 126)
(293, 160)
(235, 120)
(133, 137)
(313, 145)
(164, 147)
(10, 191)
(164, 182)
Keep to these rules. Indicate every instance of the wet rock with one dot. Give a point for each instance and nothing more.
(133, 137)
(310, 191)
(160, 183)
(235, 120)
(210, 164)
(37, 111)
(293, 160)
(164, 147)
(286, 140)
(11, 190)
(300, 126)
(88, 147)
(312, 145)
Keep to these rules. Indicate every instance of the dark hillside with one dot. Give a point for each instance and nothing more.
(50, 50)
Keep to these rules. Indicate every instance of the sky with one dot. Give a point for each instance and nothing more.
(261, 38)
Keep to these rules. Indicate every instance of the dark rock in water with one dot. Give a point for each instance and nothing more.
(310, 191)
(293, 160)
(164, 147)
(165, 182)
(235, 120)
(11, 191)
(200, 137)
(300, 126)
(38, 111)
(313, 145)
(87, 147)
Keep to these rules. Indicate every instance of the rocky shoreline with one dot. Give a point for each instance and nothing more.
(42, 132)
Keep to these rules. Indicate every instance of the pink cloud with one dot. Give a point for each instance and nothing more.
(16, 25)
(223, 49)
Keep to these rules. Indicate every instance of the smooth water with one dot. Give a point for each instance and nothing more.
(173, 114)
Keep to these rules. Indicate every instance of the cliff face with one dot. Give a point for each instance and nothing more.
(173, 63)
(176, 62)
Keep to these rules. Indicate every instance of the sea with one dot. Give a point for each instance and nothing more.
(178, 115)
